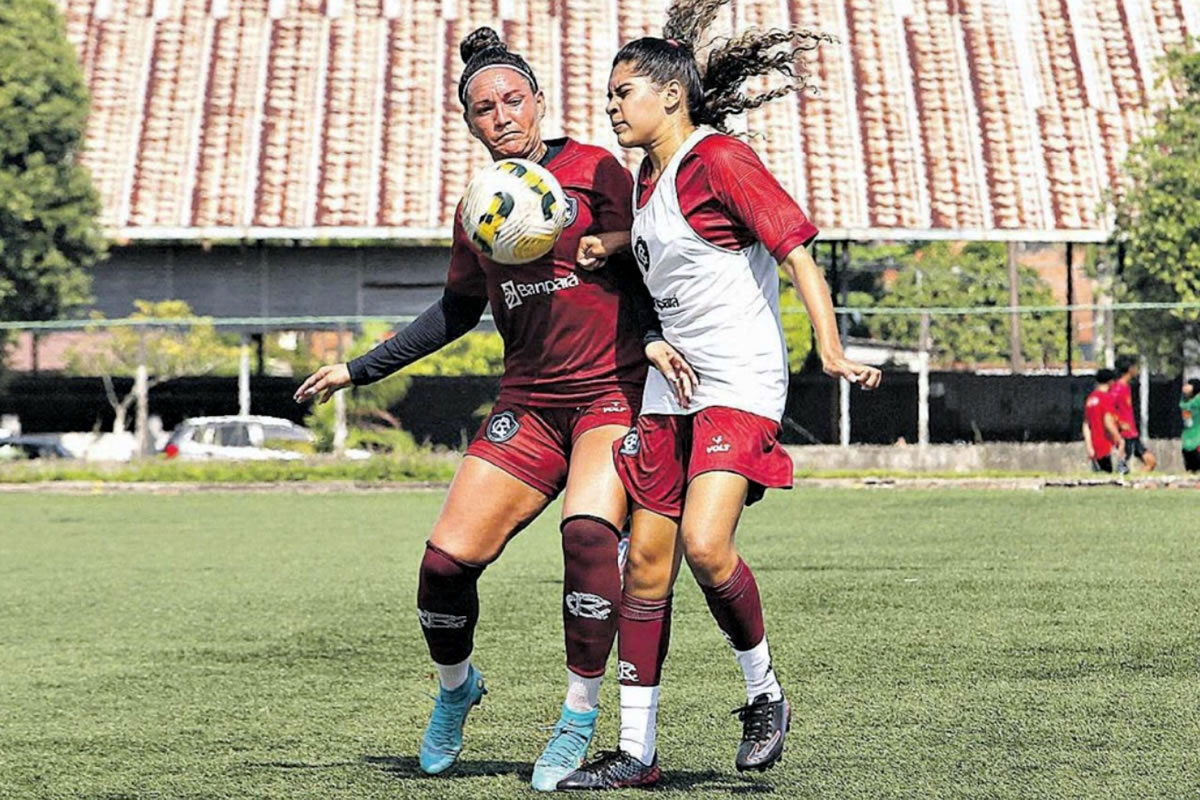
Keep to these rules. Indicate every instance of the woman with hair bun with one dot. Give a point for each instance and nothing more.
(711, 227)
(573, 374)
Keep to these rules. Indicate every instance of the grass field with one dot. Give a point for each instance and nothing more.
(935, 644)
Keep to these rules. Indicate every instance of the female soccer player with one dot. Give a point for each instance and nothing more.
(711, 225)
(573, 374)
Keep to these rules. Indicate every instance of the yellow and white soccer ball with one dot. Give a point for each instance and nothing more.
(514, 211)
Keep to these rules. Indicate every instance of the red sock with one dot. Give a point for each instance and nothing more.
(448, 605)
(591, 593)
(737, 608)
(645, 636)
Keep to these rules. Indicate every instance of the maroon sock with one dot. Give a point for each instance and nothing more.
(591, 593)
(737, 608)
(448, 605)
(645, 637)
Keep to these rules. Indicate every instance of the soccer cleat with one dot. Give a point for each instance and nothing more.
(443, 740)
(764, 726)
(614, 769)
(566, 749)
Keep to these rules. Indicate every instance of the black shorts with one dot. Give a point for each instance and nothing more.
(1102, 464)
(1135, 449)
(1191, 460)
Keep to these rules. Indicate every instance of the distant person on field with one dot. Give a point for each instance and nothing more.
(1189, 407)
(1101, 433)
(1122, 401)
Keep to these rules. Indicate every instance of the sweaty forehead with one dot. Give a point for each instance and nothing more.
(495, 82)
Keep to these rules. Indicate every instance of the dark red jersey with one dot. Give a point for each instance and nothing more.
(1122, 404)
(731, 199)
(569, 335)
(1095, 409)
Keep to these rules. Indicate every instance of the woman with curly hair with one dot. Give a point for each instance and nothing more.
(573, 374)
(711, 226)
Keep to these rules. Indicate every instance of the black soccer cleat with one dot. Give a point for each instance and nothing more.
(764, 726)
(613, 769)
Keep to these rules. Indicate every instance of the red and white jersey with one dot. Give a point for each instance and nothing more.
(718, 301)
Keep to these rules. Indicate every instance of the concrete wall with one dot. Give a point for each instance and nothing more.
(1051, 457)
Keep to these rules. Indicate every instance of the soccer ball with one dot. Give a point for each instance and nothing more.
(514, 211)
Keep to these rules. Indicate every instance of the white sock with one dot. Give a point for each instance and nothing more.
(453, 676)
(756, 667)
(583, 694)
(639, 710)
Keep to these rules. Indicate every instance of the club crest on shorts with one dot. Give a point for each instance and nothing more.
(502, 427)
(641, 252)
(631, 445)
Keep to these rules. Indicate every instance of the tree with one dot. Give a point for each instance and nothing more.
(168, 353)
(967, 276)
(1158, 219)
(49, 234)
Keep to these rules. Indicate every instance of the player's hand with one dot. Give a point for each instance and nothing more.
(594, 249)
(867, 377)
(325, 382)
(675, 369)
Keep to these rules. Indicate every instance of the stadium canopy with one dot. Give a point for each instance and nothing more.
(328, 120)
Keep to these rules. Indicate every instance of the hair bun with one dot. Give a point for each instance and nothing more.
(479, 40)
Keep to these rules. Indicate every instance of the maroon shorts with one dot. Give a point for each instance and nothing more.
(533, 443)
(660, 456)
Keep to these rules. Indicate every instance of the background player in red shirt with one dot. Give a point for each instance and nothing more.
(1101, 434)
(573, 374)
(711, 226)
(1122, 401)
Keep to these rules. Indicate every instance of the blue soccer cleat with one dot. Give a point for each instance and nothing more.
(565, 751)
(443, 740)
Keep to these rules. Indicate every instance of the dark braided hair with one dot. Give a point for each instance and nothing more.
(483, 49)
(716, 93)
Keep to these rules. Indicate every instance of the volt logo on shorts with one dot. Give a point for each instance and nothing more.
(435, 619)
(502, 427)
(631, 444)
(515, 293)
(614, 408)
(588, 606)
(719, 445)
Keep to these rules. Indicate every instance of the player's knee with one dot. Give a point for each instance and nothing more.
(589, 541)
(439, 567)
(710, 561)
(648, 571)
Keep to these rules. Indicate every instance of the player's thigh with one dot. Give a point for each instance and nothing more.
(654, 553)
(593, 487)
(484, 508)
(711, 510)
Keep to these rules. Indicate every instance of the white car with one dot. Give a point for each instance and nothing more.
(235, 437)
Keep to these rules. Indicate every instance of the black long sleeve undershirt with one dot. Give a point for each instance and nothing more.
(439, 325)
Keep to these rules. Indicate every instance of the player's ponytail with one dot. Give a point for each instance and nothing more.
(715, 92)
(482, 49)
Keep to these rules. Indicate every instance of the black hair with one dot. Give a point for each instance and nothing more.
(1195, 384)
(1124, 363)
(715, 93)
(483, 49)
(1105, 375)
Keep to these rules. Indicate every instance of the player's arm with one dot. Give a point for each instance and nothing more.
(1111, 427)
(753, 197)
(437, 326)
(1087, 439)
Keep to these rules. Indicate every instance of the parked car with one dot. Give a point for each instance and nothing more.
(30, 446)
(238, 437)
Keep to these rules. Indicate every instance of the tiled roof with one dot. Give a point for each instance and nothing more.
(340, 117)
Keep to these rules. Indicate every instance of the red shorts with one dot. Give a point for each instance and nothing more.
(533, 443)
(664, 452)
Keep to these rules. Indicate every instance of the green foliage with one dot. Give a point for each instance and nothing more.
(49, 233)
(169, 352)
(477, 353)
(974, 275)
(1158, 217)
(797, 328)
